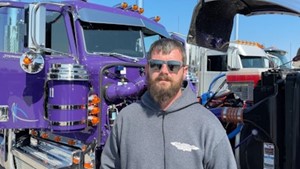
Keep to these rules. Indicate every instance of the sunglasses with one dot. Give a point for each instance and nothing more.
(173, 65)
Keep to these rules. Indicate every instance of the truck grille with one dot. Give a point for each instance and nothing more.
(244, 90)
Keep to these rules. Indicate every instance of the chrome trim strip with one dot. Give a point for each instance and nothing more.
(67, 107)
(67, 77)
(66, 66)
(68, 72)
(67, 123)
(61, 71)
(5, 4)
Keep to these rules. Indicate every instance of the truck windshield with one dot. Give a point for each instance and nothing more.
(281, 55)
(107, 38)
(254, 62)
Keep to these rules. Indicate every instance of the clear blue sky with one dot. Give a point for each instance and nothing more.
(279, 31)
(175, 14)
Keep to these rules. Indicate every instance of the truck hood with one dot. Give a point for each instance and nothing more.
(212, 20)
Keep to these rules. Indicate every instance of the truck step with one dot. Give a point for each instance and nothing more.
(42, 154)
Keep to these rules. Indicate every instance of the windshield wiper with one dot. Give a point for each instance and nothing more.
(58, 52)
(117, 55)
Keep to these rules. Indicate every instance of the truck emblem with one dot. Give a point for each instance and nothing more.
(16, 110)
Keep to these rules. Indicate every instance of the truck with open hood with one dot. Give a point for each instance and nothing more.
(267, 128)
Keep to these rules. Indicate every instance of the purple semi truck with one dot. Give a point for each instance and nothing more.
(67, 68)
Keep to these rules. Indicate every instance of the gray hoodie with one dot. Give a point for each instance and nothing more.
(185, 136)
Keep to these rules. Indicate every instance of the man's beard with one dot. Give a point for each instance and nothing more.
(162, 94)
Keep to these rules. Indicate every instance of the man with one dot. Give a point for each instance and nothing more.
(168, 129)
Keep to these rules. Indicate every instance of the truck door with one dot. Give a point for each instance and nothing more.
(212, 64)
(17, 86)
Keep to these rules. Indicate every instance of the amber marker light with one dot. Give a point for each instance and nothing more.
(242, 42)
(134, 7)
(76, 160)
(88, 165)
(94, 110)
(44, 135)
(33, 132)
(156, 18)
(57, 139)
(94, 99)
(27, 60)
(71, 142)
(122, 5)
(141, 10)
(94, 120)
(259, 45)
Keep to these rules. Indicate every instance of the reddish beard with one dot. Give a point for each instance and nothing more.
(162, 94)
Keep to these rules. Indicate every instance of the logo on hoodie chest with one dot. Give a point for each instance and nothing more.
(184, 146)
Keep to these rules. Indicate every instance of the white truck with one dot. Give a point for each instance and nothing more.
(242, 56)
(266, 132)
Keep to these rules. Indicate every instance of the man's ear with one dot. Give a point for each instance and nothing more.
(185, 71)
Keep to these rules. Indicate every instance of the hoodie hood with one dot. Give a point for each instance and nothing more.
(187, 98)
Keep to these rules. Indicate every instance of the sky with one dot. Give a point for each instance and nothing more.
(282, 32)
(175, 14)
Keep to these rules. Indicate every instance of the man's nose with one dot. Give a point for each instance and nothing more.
(164, 68)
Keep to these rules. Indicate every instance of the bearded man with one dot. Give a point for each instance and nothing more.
(168, 128)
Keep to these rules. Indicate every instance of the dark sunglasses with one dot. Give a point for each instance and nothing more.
(173, 65)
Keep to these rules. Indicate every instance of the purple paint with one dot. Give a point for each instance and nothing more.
(67, 105)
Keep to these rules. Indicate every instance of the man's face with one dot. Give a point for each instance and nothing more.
(165, 74)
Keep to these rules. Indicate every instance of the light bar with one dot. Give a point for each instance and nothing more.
(242, 42)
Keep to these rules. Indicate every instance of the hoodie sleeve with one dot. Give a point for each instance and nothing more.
(110, 157)
(222, 156)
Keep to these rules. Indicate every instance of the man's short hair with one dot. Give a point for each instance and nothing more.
(166, 45)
